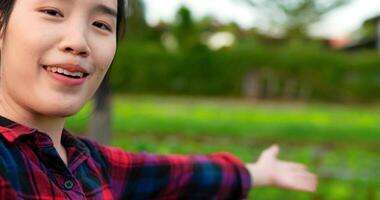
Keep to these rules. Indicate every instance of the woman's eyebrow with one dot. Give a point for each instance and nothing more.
(106, 10)
(101, 8)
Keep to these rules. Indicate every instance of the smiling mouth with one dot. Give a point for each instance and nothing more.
(64, 72)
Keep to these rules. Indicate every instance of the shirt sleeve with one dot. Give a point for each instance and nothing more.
(147, 176)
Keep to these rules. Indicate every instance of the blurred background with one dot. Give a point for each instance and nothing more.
(203, 76)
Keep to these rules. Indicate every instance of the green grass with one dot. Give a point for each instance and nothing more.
(240, 119)
(339, 143)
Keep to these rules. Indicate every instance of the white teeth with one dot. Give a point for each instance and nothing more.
(66, 72)
(63, 71)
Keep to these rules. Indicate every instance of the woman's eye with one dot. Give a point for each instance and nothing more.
(102, 26)
(52, 12)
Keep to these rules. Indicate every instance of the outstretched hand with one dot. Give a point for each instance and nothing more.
(270, 171)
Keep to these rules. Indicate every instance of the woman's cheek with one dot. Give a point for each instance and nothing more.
(104, 55)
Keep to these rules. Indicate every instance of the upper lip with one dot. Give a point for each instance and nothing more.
(70, 67)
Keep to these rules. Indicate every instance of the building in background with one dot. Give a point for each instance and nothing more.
(370, 36)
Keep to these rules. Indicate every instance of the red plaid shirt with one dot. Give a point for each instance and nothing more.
(30, 168)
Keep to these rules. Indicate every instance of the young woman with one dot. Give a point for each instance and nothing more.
(54, 55)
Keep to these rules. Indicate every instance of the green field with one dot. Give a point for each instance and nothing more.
(339, 143)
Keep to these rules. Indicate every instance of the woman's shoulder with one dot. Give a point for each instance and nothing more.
(8, 151)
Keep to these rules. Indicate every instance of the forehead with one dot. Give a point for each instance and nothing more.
(109, 3)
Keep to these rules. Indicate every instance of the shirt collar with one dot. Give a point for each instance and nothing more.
(12, 131)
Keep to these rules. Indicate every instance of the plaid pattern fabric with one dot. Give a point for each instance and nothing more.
(30, 168)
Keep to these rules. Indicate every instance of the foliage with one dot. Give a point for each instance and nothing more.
(175, 58)
(318, 73)
(292, 17)
(137, 27)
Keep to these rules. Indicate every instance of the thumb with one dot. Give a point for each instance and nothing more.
(272, 151)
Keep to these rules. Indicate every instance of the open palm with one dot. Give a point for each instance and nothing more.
(270, 171)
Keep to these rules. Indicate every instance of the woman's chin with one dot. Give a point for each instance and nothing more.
(60, 111)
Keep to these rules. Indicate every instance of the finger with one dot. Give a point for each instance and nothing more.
(306, 182)
(272, 151)
(305, 187)
(302, 185)
(306, 174)
(299, 180)
(292, 165)
(308, 185)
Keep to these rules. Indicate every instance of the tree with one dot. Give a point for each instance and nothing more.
(100, 123)
(186, 30)
(136, 23)
(292, 18)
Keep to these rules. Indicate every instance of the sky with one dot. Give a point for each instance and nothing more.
(339, 23)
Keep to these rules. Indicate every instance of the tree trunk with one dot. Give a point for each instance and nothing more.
(100, 124)
(251, 86)
(290, 89)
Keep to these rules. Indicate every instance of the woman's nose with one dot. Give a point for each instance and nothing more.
(75, 42)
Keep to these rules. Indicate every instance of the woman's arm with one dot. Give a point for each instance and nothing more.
(148, 176)
(214, 176)
(269, 171)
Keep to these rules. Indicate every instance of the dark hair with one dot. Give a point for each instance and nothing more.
(6, 7)
(121, 19)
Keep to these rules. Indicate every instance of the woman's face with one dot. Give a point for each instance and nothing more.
(46, 39)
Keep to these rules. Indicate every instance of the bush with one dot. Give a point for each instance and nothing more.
(295, 71)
